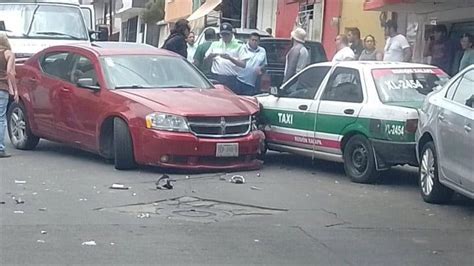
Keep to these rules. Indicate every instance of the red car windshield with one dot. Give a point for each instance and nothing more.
(145, 71)
(407, 85)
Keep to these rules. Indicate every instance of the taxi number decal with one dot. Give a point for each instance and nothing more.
(403, 84)
(397, 130)
(285, 118)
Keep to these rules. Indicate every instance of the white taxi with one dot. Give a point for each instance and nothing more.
(363, 114)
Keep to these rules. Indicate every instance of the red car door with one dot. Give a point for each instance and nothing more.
(80, 103)
(43, 85)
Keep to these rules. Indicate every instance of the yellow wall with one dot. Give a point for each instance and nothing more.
(177, 9)
(353, 15)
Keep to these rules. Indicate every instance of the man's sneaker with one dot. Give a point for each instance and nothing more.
(3, 154)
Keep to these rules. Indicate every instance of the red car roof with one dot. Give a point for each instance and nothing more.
(118, 48)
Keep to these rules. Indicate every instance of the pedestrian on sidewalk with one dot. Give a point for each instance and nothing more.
(176, 42)
(7, 86)
(223, 54)
(467, 41)
(297, 57)
(441, 49)
(355, 43)
(248, 76)
(191, 46)
(203, 65)
(397, 48)
(344, 52)
(370, 52)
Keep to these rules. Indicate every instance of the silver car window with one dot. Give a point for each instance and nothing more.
(465, 90)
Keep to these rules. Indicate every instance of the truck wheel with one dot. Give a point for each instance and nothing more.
(123, 146)
(431, 189)
(18, 128)
(359, 160)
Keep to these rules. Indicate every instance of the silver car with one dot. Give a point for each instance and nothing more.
(445, 140)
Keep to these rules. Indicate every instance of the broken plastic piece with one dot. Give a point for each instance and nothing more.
(255, 188)
(237, 179)
(20, 182)
(119, 186)
(89, 243)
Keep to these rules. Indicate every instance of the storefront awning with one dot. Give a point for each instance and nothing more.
(205, 9)
(415, 6)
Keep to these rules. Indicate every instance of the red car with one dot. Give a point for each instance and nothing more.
(133, 104)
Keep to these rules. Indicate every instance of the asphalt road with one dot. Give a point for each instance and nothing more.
(292, 212)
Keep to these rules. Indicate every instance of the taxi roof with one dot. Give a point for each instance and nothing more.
(368, 65)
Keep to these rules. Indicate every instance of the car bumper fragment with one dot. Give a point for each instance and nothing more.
(389, 153)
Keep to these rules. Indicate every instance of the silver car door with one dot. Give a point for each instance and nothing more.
(454, 132)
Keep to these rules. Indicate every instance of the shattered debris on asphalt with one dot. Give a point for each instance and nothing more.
(119, 186)
(237, 179)
(164, 182)
(89, 243)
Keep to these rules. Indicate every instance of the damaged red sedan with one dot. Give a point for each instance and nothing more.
(133, 104)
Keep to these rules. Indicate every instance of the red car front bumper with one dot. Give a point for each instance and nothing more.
(186, 151)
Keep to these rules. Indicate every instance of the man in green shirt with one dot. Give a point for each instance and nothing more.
(204, 65)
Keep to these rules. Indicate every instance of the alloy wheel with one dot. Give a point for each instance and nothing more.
(18, 126)
(427, 172)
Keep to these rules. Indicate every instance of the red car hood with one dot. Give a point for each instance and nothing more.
(192, 102)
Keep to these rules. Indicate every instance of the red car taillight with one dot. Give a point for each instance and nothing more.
(411, 125)
(265, 83)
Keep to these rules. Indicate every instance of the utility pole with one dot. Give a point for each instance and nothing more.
(111, 10)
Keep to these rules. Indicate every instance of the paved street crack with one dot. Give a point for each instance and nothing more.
(193, 209)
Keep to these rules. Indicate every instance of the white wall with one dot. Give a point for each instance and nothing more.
(266, 14)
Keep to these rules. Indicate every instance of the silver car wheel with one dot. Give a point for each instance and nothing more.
(427, 173)
(18, 126)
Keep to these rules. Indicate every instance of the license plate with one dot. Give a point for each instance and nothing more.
(227, 150)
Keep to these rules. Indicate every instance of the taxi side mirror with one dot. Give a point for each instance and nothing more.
(275, 91)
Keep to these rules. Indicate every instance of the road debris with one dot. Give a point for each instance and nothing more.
(82, 199)
(19, 200)
(143, 215)
(89, 243)
(40, 241)
(237, 179)
(112, 243)
(255, 188)
(256, 240)
(187, 177)
(20, 182)
(119, 186)
(2, 202)
(258, 174)
(222, 178)
(164, 182)
(43, 232)
(42, 209)
(336, 182)
(134, 194)
(18, 212)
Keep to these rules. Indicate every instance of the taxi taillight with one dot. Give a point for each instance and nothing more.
(411, 125)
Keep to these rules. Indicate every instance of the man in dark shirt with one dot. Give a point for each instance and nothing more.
(441, 49)
(176, 41)
(353, 34)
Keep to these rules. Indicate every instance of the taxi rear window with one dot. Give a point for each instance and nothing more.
(407, 84)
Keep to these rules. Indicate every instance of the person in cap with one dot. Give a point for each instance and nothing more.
(344, 52)
(203, 65)
(226, 56)
(176, 42)
(397, 48)
(248, 76)
(297, 57)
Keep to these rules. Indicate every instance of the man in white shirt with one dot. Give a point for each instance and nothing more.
(344, 52)
(221, 53)
(397, 48)
(191, 47)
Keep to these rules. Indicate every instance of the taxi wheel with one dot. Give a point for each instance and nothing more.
(123, 146)
(18, 128)
(431, 189)
(359, 160)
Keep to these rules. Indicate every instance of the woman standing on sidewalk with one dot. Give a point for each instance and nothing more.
(7, 86)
